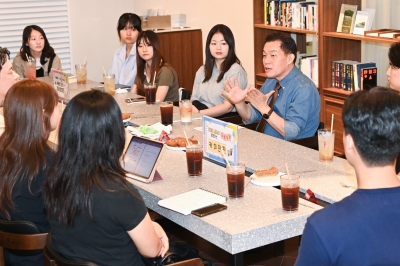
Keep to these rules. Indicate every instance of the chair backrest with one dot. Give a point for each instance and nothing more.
(21, 238)
(52, 258)
(191, 262)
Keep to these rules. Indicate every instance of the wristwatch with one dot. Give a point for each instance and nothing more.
(267, 115)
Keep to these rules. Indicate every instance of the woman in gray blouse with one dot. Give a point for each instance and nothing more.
(221, 64)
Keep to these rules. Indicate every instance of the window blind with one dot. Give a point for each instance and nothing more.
(51, 15)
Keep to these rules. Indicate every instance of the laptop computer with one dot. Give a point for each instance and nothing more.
(142, 157)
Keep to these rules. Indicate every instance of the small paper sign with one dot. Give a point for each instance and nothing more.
(218, 137)
(60, 83)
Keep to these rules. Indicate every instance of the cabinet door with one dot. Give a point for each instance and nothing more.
(334, 106)
(183, 51)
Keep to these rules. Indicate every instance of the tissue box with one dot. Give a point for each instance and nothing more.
(166, 22)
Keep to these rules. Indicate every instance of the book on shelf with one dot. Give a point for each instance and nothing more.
(369, 78)
(346, 18)
(308, 65)
(267, 17)
(295, 15)
(342, 74)
(361, 22)
(192, 200)
(275, 13)
(283, 10)
(383, 33)
(312, 17)
(371, 16)
(357, 73)
(291, 14)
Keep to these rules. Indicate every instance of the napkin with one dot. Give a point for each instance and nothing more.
(119, 91)
(156, 128)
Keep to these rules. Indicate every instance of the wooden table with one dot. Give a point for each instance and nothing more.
(255, 220)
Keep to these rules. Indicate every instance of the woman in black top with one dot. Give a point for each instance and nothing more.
(30, 113)
(95, 214)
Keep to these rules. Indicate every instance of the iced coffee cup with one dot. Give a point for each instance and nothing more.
(290, 187)
(235, 177)
(166, 110)
(185, 109)
(150, 90)
(81, 73)
(109, 83)
(194, 158)
(30, 68)
(326, 144)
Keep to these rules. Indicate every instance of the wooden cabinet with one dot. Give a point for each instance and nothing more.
(183, 50)
(331, 46)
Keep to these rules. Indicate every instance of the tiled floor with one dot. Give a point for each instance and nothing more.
(260, 256)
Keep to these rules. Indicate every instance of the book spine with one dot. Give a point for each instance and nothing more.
(355, 76)
(351, 81)
(333, 74)
(337, 85)
(346, 77)
(265, 11)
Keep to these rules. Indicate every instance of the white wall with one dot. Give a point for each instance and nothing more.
(204, 14)
(94, 34)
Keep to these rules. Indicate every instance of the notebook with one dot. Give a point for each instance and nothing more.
(186, 202)
(141, 158)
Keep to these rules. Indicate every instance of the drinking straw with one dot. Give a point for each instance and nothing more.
(104, 71)
(154, 78)
(27, 57)
(84, 61)
(287, 170)
(226, 159)
(332, 123)
(187, 139)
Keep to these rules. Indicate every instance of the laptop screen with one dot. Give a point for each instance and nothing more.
(141, 157)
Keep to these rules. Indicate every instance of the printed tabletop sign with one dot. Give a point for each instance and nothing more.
(60, 83)
(219, 137)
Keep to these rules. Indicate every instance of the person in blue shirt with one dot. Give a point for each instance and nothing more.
(362, 229)
(124, 61)
(295, 114)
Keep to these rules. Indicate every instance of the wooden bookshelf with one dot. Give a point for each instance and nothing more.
(332, 46)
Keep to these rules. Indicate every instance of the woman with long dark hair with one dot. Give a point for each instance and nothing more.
(30, 113)
(124, 61)
(95, 214)
(150, 62)
(221, 64)
(393, 74)
(35, 45)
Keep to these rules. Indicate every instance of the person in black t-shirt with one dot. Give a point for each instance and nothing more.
(95, 214)
(30, 113)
